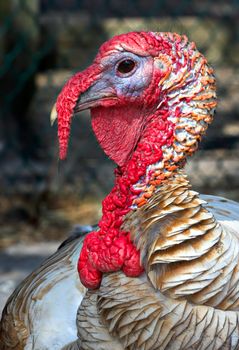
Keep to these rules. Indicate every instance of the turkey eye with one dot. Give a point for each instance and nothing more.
(126, 66)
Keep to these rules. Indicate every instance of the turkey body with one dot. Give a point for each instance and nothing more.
(62, 314)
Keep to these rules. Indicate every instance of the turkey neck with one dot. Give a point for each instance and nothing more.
(184, 250)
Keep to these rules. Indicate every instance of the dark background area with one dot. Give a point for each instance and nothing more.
(42, 43)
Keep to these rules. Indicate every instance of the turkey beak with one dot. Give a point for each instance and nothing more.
(99, 94)
(53, 115)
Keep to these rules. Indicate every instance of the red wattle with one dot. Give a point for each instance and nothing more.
(110, 248)
(117, 130)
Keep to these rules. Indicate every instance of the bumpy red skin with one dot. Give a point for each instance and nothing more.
(110, 248)
(67, 100)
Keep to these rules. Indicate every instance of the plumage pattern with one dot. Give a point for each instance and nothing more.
(44, 304)
(123, 305)
(154, 322)
(185, 251)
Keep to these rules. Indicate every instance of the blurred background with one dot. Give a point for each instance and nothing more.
(42, 42)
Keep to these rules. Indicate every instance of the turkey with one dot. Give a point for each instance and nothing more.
(161, 269)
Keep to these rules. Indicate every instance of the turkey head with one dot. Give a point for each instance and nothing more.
(151, 96)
